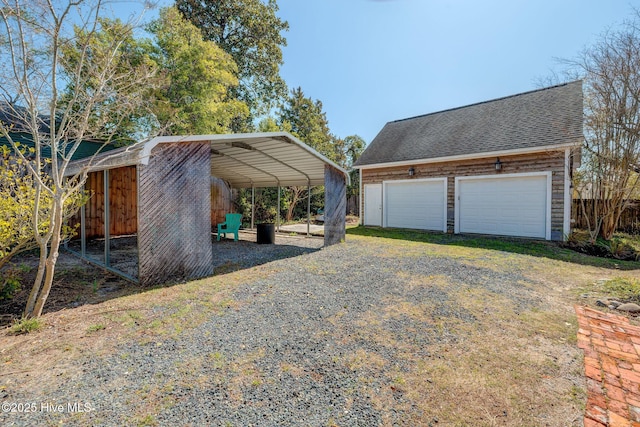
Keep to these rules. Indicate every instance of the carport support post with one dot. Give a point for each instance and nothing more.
(278, 211)
(308, 208)
(253, 205)
(107, 226)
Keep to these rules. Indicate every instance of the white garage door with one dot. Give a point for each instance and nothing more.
(416, 204)
(510, 206)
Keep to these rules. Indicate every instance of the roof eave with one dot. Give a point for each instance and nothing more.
(512, 152)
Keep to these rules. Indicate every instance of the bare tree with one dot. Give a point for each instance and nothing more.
(611, 152)
(61, 83)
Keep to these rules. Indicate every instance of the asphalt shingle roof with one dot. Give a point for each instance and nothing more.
(535, 119)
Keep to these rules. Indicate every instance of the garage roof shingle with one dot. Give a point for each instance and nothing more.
(537, 119)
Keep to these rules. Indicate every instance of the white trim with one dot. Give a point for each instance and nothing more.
(361, 199)
(396, 181)
(568, 200)
(471, 156)
(547, 174)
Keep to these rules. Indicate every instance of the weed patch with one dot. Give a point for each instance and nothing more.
(95, 328)
(26, 326)
(625, 289)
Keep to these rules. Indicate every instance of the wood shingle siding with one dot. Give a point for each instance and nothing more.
(552, 161)
(174, 236)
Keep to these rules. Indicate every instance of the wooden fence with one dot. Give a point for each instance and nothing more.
(221, 201)
(629, 221)
(123, 203)
(353, 205)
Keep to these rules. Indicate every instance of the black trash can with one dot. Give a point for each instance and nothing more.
(266, 233)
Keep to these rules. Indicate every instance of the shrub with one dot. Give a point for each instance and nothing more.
(10, 285)
(619, 247)
(26, 326)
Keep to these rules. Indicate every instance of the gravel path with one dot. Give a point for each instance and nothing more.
(293, 351)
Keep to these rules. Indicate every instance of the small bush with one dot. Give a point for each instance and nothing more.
(26, 326)
(619, 247)
(10, 285)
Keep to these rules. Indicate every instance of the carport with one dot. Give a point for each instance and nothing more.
(160, 191)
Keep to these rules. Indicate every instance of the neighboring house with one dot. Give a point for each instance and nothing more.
(500, 167)
(23, 136)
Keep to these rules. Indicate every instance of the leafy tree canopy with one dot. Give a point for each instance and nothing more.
(250, 31)
(308, 122)
(108, 60)
(611, 150)
(193, 97)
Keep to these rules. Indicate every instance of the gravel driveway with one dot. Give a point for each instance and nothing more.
(322, 339)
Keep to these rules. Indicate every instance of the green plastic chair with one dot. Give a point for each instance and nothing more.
(230, 225)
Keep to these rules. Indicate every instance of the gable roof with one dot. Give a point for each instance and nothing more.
(535, 121)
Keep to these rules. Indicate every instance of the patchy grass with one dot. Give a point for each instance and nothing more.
(499, 362)
(538, 248)
(625, 289)
(475, 357)
(95, 328)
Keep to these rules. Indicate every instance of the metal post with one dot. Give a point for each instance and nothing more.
(83, 230)
(278, 212)
(253, 205)
(308, 209)
(107, 226)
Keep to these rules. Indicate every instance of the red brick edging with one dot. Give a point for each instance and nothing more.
(612, 366)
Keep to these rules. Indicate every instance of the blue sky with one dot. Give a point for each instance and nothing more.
(373, 61)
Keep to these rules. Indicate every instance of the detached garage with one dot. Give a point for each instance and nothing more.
(501, 167)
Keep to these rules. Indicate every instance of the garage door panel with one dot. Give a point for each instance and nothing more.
(511, 206)
(415, 204)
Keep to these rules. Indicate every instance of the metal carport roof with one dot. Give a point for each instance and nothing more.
(243, 160)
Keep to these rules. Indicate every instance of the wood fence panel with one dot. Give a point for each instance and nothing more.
(123, 203)
(221, 201)
(353, 205)
(629, 220)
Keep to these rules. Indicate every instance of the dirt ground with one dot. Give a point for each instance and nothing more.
(76, 283)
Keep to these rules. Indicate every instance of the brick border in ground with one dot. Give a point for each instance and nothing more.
(611, 348)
